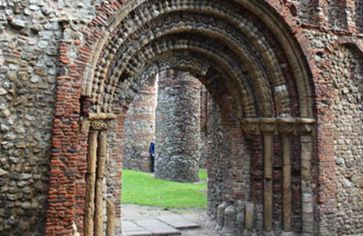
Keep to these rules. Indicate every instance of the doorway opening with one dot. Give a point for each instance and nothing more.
(174, 118)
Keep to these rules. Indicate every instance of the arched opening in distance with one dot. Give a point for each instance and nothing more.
(174, 111)
(253, 69)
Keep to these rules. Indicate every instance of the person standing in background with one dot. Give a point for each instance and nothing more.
(152, 156)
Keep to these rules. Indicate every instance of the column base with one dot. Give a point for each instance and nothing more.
(287, 233)
(271, 233)
(248, 232)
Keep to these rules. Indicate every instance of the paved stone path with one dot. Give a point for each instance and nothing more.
(151, 221)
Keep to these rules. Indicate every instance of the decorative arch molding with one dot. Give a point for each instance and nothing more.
(110, 22)
(201, 69)
(247, 56)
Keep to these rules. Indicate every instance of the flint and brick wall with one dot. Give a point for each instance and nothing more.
(30, 35)
(348, 149)
(140, 129)
(178, 127)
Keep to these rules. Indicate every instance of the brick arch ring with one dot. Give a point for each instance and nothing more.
(242, 51)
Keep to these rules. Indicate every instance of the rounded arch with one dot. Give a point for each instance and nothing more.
(242, 50)
(268, 54)
(202, 69)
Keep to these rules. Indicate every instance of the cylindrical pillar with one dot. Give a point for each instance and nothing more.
(178, 127)
(90, 183)
(111, 218)
(286, 184)
(268, 128)
(286, 128)
(305, 128)
(99, 198)
(249, 219)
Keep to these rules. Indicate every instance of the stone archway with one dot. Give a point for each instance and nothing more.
(249, 63)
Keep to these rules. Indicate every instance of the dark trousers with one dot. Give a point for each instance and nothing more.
(152, 163)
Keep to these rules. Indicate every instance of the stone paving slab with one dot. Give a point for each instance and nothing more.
(178, 222)
(138, 233)
(157, 227)
(132, 229)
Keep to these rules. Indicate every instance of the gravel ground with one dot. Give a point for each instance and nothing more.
(134, 212)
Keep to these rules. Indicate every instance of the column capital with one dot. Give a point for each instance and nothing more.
(251, 126)
(101, 116)
(286, 126)
(268, 125)
(97, 121)
(100, 125)
(305, 126)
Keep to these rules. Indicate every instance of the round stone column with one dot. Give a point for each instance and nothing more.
(178, 127)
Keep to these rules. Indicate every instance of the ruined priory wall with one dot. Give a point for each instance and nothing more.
(217, 153)
(30, 33)
(338, 170)
(348, 144)
(140, 129)
(227, 162)
(333, 46)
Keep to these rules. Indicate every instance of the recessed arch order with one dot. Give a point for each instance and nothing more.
(244, 35)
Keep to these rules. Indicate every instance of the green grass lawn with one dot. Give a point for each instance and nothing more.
(143, 189)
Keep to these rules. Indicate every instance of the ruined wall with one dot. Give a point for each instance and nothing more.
(228, 163)
(348, 147)
(205, 101)
(337, 71)
(30, 34)
(178, 127)
(217, 161)
(340, 125)
(140, 128)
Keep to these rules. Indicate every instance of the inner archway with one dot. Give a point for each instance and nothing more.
(179, 102)
(254, 70)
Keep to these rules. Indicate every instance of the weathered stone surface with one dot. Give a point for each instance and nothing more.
(111, 218)
(178, 127)
(132, 229)
(157, 227)
(140, 128)
(178, 222)
(229, 228)
(348, 149)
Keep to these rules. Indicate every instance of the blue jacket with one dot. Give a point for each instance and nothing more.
(152, 149)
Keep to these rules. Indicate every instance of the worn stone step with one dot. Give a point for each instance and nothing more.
(178, 222)
(157, 228)
(132, 229)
